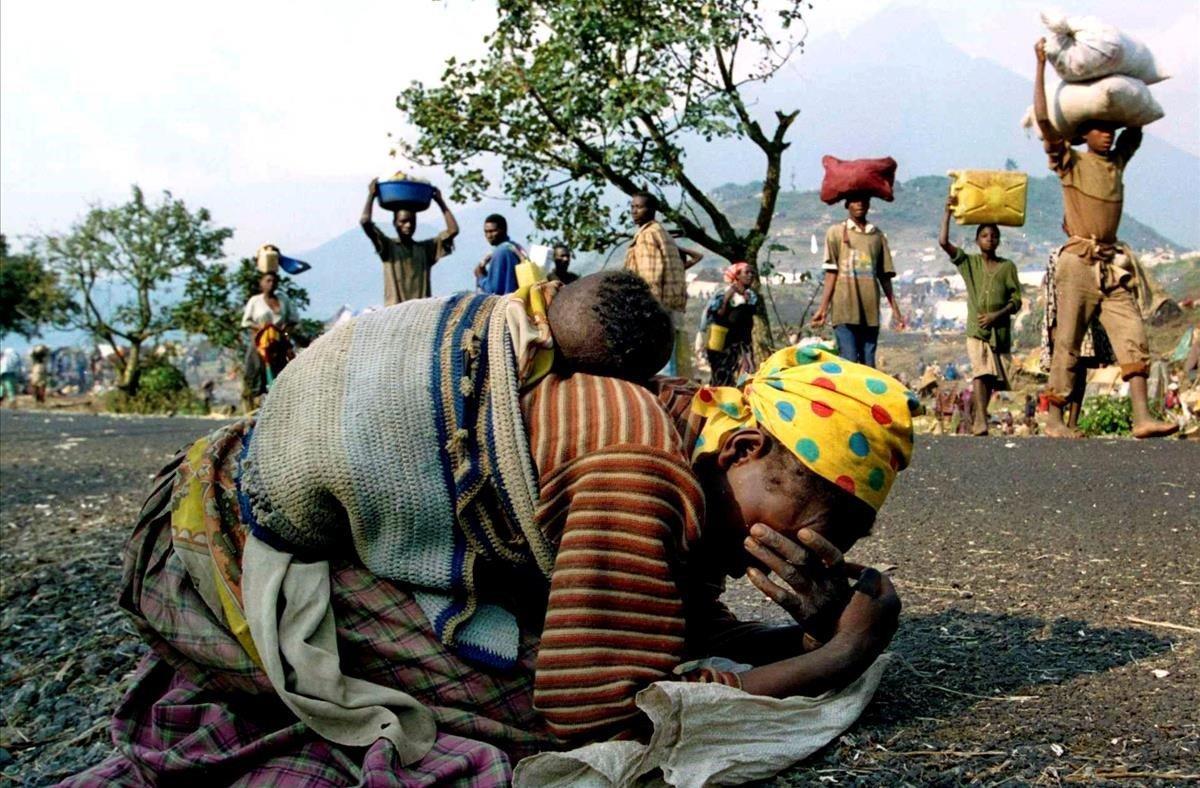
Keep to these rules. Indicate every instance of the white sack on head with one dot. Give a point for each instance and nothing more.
(1118, 99)
(1082, 48)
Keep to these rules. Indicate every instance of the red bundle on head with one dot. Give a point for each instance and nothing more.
(731, 273)
(872, 177)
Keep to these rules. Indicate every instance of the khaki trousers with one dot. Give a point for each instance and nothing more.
(1084, 288)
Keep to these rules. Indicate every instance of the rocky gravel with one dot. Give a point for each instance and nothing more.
(70, 486)
(1050, 633)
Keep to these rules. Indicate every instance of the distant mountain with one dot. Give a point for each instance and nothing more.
(894, 86)
(346, 270)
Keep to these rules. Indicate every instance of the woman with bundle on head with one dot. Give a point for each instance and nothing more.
(269, 318)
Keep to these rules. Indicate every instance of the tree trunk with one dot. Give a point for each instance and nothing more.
(131, 374)
(764, 343)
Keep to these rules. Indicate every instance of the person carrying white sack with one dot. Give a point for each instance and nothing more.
(1095, 272)
(1083, 48)
(1104, 72)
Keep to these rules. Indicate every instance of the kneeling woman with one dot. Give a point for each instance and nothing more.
(422, 576)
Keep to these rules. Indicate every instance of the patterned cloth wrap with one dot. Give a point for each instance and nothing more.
(848, 423)
(438, 477)
(200, 708)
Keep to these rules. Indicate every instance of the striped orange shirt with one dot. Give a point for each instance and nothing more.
(621, 502)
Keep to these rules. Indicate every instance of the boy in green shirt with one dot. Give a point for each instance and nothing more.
(993, 297)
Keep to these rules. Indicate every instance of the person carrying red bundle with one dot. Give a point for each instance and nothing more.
(858, 263)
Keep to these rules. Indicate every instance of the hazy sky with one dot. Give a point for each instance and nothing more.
(232, 104)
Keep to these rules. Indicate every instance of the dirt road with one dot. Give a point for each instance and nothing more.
(1022, 565)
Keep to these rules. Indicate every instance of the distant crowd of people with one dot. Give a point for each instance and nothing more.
(42, 370)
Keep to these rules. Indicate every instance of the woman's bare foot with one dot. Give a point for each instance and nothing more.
(1154, 429)
(980, 432)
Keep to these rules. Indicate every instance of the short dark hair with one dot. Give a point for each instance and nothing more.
(1094, 124)
(497, 220)
(651, 200)
(614, 326)
(979, 230)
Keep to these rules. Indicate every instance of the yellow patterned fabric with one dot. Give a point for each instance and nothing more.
(196, 534)
(849, 423)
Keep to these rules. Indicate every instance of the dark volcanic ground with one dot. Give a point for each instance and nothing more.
(1020, 562)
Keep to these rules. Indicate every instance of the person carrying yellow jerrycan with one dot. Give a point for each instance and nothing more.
(989, 196)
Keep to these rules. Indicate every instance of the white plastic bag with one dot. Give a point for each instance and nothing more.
(1083, 48)
(707, 734)
(1118, 99)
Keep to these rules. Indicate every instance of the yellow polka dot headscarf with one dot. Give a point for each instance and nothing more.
(848, 423)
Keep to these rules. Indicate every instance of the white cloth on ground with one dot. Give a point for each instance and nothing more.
(708, 734)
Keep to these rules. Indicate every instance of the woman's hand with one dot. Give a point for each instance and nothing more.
(870, 619)
(815, 588)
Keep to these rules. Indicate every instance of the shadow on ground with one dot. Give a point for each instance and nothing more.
(953, 660)
(975, 697)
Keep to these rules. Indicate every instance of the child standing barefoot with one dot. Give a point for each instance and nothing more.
(993, 297)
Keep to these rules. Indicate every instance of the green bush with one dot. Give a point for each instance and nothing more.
(161, 380)
(162, 388)
(1106, 416)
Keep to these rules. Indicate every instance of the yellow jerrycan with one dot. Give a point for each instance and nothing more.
(989, 196)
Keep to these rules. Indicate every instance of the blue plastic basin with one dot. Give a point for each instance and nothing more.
(404, 195)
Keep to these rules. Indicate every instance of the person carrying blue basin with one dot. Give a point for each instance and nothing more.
(406, 261)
